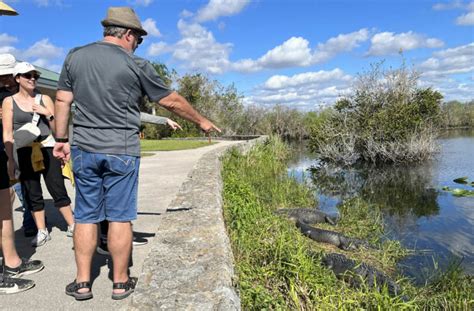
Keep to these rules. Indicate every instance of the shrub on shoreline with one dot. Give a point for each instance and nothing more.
(387, 119)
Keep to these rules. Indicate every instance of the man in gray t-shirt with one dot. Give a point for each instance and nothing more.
(107, 83)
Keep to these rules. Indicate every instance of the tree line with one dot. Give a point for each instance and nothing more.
(455, 114)
(224, 106)
(386, 106)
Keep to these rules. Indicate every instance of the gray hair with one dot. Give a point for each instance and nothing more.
(114, 31)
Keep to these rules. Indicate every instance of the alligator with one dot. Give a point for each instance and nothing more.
(331, 237)
(307, 215)
(356, 274)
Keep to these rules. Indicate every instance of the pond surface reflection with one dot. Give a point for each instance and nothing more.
(438, 225)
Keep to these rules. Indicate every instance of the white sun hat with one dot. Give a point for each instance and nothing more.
(7, 64)
(24, 67)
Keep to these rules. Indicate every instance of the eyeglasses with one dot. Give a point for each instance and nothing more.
(30, 75)
(137, 35)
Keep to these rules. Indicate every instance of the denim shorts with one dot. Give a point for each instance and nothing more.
(106, 186)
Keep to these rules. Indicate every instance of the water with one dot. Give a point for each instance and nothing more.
(438, 225)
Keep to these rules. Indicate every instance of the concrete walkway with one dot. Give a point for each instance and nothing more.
(161, 176)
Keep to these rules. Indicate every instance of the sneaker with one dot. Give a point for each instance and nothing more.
(26, 267)
(41, 238)
(70, 231)
(102, 248)
(137, 241)
(12, 286)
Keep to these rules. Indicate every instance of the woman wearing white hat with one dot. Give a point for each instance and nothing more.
(13, 265)
(19, 110)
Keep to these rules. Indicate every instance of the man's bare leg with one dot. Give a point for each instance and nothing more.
(85, 242)
(10, 256)
(119, 242)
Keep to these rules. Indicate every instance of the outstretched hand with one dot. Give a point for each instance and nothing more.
(208, 127)
(173, 125)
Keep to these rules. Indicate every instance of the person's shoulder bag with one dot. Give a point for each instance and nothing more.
(29, 132)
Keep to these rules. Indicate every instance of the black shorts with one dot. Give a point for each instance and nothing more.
(4, 178)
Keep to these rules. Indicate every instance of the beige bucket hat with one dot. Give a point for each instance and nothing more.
(125, 17)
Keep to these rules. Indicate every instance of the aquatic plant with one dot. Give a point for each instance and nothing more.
(458, 192)
(461, 180)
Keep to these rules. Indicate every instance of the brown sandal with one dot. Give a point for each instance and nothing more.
(128, 286)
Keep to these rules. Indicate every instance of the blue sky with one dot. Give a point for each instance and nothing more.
(299, 53)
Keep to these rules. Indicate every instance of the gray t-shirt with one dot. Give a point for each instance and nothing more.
(21, 118)
(108, 84)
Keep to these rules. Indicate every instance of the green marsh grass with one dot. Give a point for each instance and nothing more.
(277, 268)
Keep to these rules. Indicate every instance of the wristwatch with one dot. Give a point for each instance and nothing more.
(50, 118)
(61, 140)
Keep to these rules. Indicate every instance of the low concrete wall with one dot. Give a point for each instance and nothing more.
(190, 264)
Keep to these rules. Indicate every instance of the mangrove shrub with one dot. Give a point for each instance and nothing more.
(387, 118)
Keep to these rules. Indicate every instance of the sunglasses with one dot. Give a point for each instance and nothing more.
(30, 75)
(139, 38)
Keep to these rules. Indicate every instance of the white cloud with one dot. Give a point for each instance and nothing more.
(46, 3)
(386, 43)
(199, 49)
(457, 4)
(150, 26)
(6, 39)
(306, 90)
(466, 19)
(9, 49)
(42, 53)
(140, 2)
(186, 14)
(341, 43)
(43, 49)
(216, 8)
(452, 89)
(450, 61)
(450, 71)
(46, 63)
(293, 52)
(319, 77)
(158, 48)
